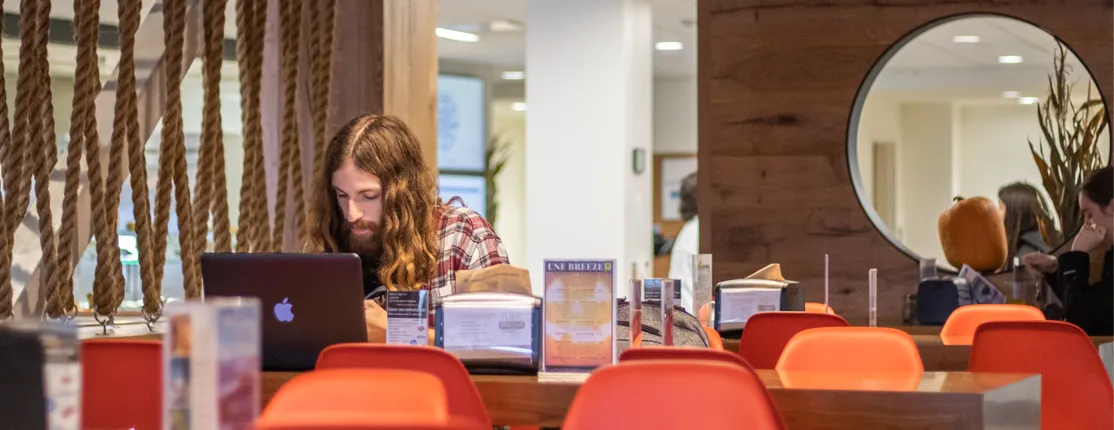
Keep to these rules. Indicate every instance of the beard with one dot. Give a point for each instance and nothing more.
(367, 244)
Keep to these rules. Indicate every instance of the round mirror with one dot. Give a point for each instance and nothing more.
(976, 106)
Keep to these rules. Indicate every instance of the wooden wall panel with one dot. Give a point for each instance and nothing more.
(410, 68)
(777, 82)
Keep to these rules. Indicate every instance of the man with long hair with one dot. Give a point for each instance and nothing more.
(378, 199)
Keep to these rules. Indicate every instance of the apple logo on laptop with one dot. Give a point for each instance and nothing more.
(283, 311)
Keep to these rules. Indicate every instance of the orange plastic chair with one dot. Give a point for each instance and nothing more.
(1075, 389)
(359, 398)
(959, 328)
(852, 349)
(819, 308)
(464, 398)
(667, 353)
(715, 341)
(766, 334)
(121, 384)
(711, 395)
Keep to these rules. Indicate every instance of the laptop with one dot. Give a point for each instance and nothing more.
(310, 301)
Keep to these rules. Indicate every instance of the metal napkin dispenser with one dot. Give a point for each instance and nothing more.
(491, 332)
(738, 299)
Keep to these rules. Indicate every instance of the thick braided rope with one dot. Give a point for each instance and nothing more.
(290, 23)
(108, 280)
(5, 148)
(249, 104)
(86, 87)
(322, 78)
(211, 132)
(45, 145)
(137, 162)
(16, 182)
(125, 83)
(172, 160)
(261, 218)
(296, 174)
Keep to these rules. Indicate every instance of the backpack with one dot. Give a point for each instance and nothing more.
(687, 330)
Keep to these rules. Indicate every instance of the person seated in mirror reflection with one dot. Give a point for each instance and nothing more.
(1087, 305)
(687, 243)
(1029, 227)
(378, 199)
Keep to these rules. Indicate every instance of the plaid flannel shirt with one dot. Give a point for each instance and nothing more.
(468, 242)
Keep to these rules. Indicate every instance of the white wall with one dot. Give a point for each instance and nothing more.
(924, 175)
(510, 126)
(578, 142)
(675, 123)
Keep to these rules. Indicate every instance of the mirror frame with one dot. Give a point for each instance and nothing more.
(860, 100)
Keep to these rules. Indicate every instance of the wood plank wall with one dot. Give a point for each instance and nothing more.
(777, 80)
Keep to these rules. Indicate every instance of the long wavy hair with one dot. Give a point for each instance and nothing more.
(1026, 211)
(383, 145)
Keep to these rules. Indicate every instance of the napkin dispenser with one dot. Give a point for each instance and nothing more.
(491, 332)
(729, 320)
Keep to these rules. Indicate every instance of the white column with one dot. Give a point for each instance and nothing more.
(589, 106)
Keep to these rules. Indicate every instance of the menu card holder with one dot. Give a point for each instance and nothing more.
(40, 375)
(737, 300)
(211, 364)
(701, 285)
(635, 296)
(668, 286)
(491, 332)
(579, 315)
(408, 317)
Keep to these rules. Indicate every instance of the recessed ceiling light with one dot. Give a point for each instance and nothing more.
(1011, 94)
(518, 106)
(1028, 100)
(503, 26)
(1010, 59)
(966, 38)
(669, 46)
(514, 75)
(458, 36)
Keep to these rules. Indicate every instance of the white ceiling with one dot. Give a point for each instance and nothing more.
(674, 20)
(932, 67)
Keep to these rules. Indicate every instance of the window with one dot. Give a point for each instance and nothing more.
(462, 140)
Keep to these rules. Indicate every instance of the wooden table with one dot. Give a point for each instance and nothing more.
(935, 400)
(936, 356)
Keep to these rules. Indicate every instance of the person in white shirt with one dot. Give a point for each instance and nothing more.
(687, 243)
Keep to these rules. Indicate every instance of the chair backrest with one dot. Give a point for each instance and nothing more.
(674, 353)
(959, 329)
(715, 341)
(766, 334)
(121, 384)
(703, 394)
(357, 398)
(1075, 390)
(852, 349)
(819, 308)
(464, 398)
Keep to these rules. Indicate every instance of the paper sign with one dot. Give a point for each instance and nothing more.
(737, 305)
(652, 290)
(408, 317)
(494, 328)
(579, 310)
(211, 365)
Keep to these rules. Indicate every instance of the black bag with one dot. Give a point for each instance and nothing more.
(687, 330)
